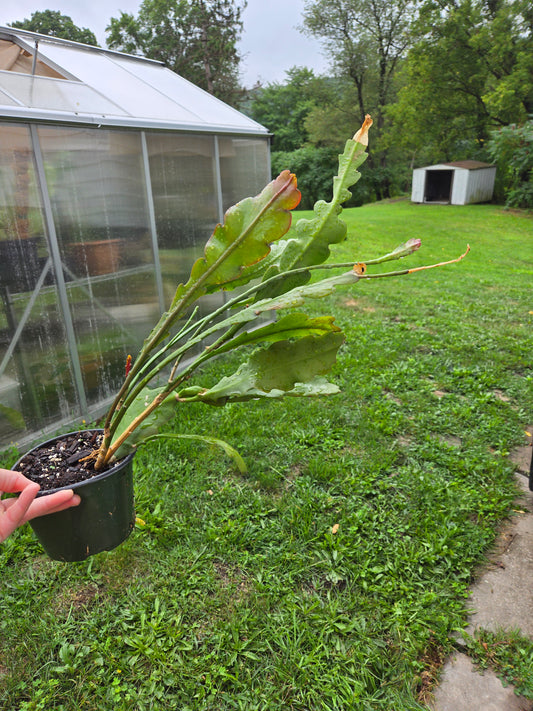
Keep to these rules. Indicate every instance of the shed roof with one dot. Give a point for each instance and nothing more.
(51, 79)
(469, 164)
(463, 164)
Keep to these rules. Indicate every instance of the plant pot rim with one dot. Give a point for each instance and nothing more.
(79, 484)
(96, 242)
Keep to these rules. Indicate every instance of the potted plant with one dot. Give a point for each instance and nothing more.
(96, 257)
(292, 352)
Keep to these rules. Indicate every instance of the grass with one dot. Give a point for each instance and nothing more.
(509, 654)
(334, 574)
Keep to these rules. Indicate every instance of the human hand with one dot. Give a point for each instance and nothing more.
(16, 511)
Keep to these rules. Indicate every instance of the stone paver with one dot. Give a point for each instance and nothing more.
(462, 688)
(502, 598)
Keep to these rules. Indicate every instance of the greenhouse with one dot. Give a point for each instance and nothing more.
(113, 173)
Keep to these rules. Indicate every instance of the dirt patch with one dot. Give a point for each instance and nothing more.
(85, 596)
(71, 600)
(450, 440)
(392, 397)
(516, 211)
(226, 575)
(232, 579)
(500, 395)
(433, 659)
(359, 306)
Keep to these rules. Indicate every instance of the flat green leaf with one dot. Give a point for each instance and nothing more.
(291, 326)
(249, 228)
(228, 449)
(281, 369)
(294, 298)
(312, 238)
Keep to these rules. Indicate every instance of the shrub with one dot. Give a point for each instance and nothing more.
(511, 148)
(315, 168)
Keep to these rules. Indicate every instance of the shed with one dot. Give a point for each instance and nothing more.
(458, 183)
(113, 173)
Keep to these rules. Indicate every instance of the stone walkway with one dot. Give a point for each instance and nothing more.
(502, 598)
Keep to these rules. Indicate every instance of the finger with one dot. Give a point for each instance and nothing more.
(11, 481)
(73, 501)
(15, 510)
(52, 503)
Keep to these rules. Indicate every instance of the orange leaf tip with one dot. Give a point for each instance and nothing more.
(362, 135)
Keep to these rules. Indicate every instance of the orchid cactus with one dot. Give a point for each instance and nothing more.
(269, 273)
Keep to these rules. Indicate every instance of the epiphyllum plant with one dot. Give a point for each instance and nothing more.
(273, 276)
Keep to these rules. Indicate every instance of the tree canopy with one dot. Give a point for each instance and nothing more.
(471, 71)
(309, 117)
(365, 39)
(196, 39)
(54, 24)
(284, 107)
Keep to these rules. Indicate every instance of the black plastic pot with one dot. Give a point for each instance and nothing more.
(103, 520)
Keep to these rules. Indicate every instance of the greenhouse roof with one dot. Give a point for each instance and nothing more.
(49, 79)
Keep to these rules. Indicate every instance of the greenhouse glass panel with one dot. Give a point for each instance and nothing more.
(56, 94)
(36, 384)
(184, 188)
(97, 190)
(189, 102)
(244, 167)
(6, 100)
(117, 78)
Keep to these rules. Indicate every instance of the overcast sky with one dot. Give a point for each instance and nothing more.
(271, 43)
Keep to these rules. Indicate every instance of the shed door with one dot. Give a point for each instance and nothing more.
(438, 185)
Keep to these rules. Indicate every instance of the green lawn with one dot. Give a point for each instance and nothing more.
(334, 574)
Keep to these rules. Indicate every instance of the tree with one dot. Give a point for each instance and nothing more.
(283, 108)
(470, 72)
(333, 116)
(195, 38)
(299, 114)
(366, 39)
(54, 24)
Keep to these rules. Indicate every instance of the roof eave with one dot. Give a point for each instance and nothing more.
(15, 113)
